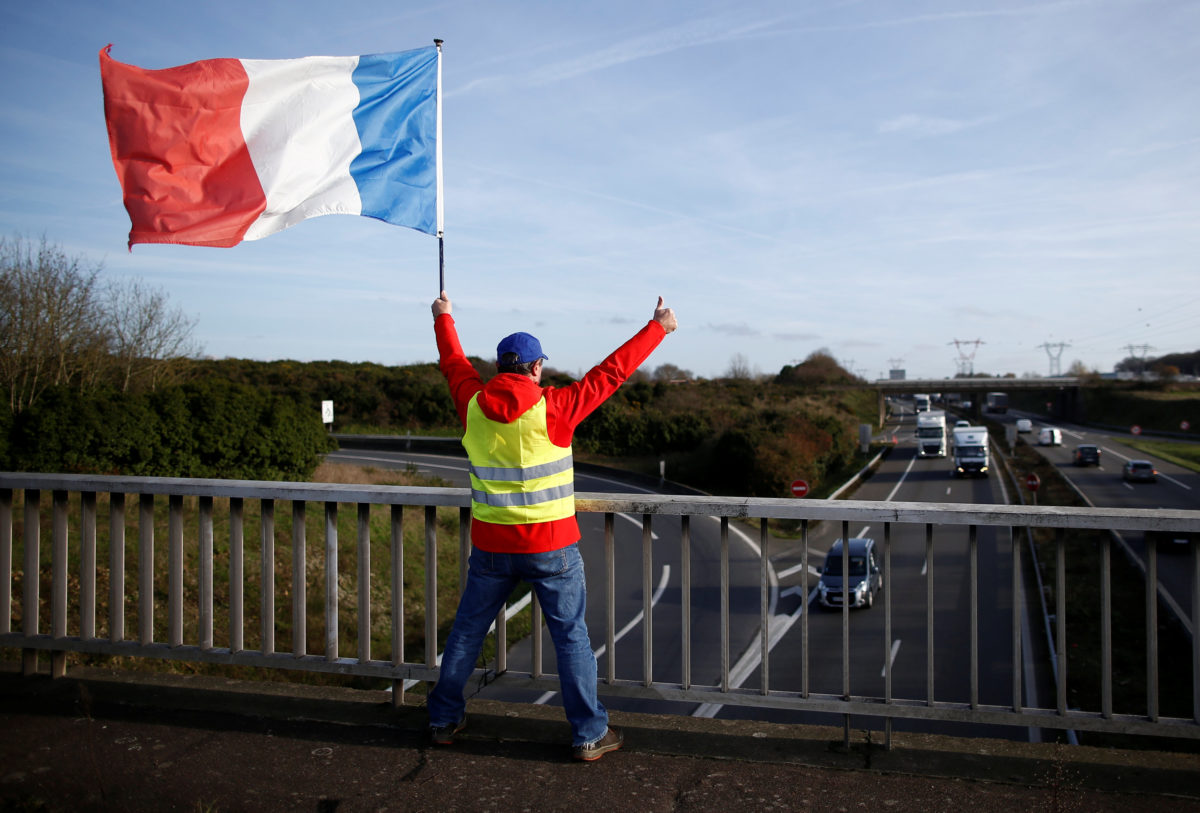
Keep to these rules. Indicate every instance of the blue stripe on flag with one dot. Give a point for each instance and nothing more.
(396, 118)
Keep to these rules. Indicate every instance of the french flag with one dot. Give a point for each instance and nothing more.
(224, 150)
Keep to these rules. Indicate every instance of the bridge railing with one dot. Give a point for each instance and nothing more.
(67, 621)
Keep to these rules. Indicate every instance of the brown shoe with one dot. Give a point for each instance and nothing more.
(611, 741)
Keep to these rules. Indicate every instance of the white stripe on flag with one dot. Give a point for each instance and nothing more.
(297, 119)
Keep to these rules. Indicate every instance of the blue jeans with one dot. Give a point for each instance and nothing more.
(557, 579)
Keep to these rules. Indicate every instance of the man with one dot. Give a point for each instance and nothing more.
(518, 439)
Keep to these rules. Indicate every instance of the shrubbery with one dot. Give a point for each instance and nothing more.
(200, 429)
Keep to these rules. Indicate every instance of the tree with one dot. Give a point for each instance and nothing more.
(61, 326)
(739, 367)
(669, 372)
(148, 336)
(49, 332)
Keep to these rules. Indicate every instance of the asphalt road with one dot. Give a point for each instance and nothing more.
(901, 477)
(1104, 486)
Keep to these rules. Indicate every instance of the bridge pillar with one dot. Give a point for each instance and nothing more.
(882, 411)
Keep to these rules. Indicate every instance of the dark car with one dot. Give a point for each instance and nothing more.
(1087, 455)
(864, 581)
(1139, 471)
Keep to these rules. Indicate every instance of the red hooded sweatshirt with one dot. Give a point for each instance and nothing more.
(507, 396)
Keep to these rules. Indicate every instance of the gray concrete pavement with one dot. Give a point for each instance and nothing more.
(106, 740)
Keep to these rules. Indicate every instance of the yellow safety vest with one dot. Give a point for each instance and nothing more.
(517, 475)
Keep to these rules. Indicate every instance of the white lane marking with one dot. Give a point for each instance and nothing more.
(1128, 486)
(1171, 479)
(924, 567)
(888, 498)
(633, 622)
(1076, 435)
(864, 530)
(891, 658)
(948, 490)
(783, 574)
(1114, 453)
(777, 628)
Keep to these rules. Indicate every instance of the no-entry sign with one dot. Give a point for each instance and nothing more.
(1032, 482)
(1135, 429)
(799, 488)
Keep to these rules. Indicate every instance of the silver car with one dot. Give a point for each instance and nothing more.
(865, 579)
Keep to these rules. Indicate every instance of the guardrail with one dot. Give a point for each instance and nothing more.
(950, 522)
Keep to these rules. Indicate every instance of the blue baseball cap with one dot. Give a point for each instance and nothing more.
(527, 348)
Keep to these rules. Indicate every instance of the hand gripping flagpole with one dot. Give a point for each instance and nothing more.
(438, 163)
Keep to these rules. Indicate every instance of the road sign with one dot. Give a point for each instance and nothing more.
(1184, 425)
(1032, 482)
(799, 488)
(327, 412)
(1135, 429)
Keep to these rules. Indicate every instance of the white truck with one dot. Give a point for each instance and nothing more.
(921, 403)
(969, 451)
(931, 434)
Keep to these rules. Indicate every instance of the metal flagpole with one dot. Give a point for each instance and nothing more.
(438, 163)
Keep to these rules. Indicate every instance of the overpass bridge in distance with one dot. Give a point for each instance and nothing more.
(1066, 389)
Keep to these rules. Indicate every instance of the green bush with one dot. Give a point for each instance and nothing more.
(201, 429)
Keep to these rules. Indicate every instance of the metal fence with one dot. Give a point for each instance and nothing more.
(73, 593)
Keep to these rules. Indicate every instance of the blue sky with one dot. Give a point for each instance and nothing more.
(874, 177)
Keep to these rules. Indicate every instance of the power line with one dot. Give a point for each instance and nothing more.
(1055, 351)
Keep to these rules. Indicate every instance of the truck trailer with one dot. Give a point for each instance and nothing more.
(996, 402)
(969, 451)
(931, 434)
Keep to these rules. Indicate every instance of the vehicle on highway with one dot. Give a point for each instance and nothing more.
(921, 403)
(996, 402)
(961, 424)
(931, 434)
(864, 581)
(969, 451)
(1024, 425)
(1139, 471)
(1087, 454)
(1049, 436)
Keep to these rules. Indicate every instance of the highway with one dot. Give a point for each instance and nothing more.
(1103, 486)
(901, 477)
(905, 477)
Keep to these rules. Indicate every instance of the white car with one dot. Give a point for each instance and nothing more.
(1050, 436)
(1024, 425)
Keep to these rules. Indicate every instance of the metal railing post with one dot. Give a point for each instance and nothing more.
(175, 570)
(431, 595)
(364, 582)
(146, 569)
(397, 557)
(267, 575)
(610, 599)
(116, 567)
(6, 549)
(299, 580)
(33, 549)
(87, 565)
(764, 618)
(647, 604)
(206, 572)
(685, 586)
(237, 579)
(58, 582)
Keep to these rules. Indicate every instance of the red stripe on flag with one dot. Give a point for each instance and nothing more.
(178, 149)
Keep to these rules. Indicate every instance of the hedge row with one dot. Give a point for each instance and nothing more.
(200, 429)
